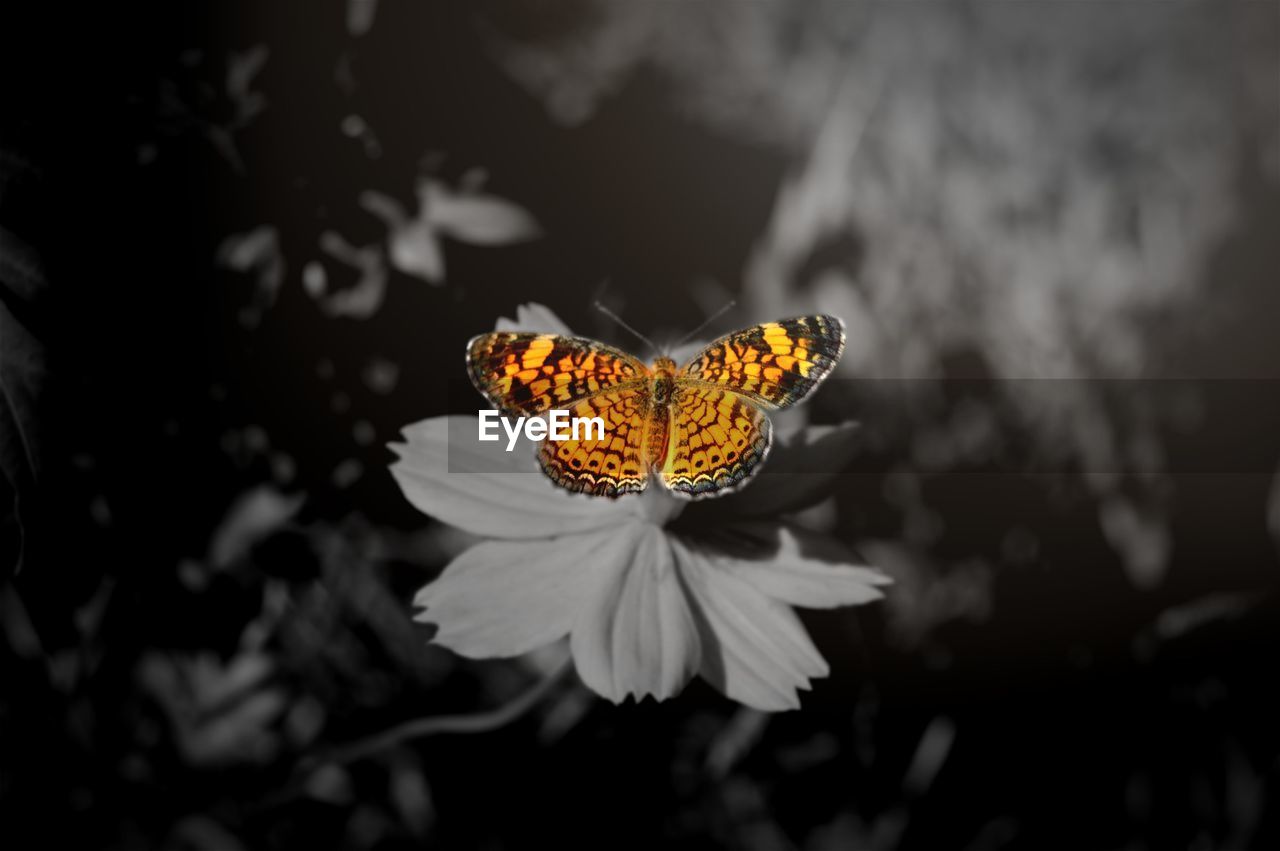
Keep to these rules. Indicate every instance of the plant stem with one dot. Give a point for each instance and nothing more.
(471, 722)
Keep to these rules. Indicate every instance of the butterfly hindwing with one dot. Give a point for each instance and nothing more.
(719, 440)
(610, 466)
(526, 374)
(775, 364)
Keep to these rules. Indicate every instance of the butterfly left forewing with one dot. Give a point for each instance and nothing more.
(774, 364)
(527, 374)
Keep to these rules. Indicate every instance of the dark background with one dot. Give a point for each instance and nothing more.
(208, 569)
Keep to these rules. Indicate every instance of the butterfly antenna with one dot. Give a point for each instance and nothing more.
(616, 318)
(712, 318)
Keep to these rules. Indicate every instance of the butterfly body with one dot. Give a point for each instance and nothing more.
(701, 428)
(664, 380)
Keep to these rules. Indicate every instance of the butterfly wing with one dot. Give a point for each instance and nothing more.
(528, 374)
(611, 465)
(719, 439)
(775, 364)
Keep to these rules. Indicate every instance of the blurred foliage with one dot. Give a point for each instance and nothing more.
(265, 235)
(22, 347)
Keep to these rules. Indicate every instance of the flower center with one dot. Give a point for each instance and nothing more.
(657, 506)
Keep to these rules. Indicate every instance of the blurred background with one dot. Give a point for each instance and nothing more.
(242, 247)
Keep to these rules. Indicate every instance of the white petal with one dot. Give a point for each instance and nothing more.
(505, 598)
(635, 633)
(534, 317)
(809, 570)
(754, 648)
(508, 504)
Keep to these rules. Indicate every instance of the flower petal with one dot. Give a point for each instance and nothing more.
(799, 574)
(754, 648)
(536, 318)
(518, 502)
(505, 598)
(635, 633)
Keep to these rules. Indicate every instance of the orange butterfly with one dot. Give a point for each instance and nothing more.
(700, 428)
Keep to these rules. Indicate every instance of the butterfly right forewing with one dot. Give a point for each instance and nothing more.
(775, 364)
(720, 432)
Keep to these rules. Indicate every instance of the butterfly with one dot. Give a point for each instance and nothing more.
(700, 428)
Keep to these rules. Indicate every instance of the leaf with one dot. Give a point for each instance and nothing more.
(1141, 536)
(360, 15)
(242, 67)
(365, 297)
(252, 517)
(22, 375)
(416, 251)
(257, 251)
(412, 244)
(475, 218)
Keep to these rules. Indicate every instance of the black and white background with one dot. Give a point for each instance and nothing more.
(242, 246)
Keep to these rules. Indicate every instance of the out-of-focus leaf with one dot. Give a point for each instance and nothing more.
(413, 243)
(735, 740)
(256, 251)
(22, 375)
(416, 251)
(251, 518)
(477, 219)
(411, 795)
(16, 626)
(924, 596)
(218, 121)
(220, 714)
(1142, 538)
(932, 751)
(360, 15)
(331, 784)
(203, 833)
(362, 300)
(1187, 620)
(1273, 509)
(242, 67)
(380, 375)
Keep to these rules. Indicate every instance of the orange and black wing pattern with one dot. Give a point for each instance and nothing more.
(708, 439)
(525, 374)
(720, 439)
(775, 364)
(610, 465)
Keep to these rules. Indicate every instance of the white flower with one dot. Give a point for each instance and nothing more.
(649, 589)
